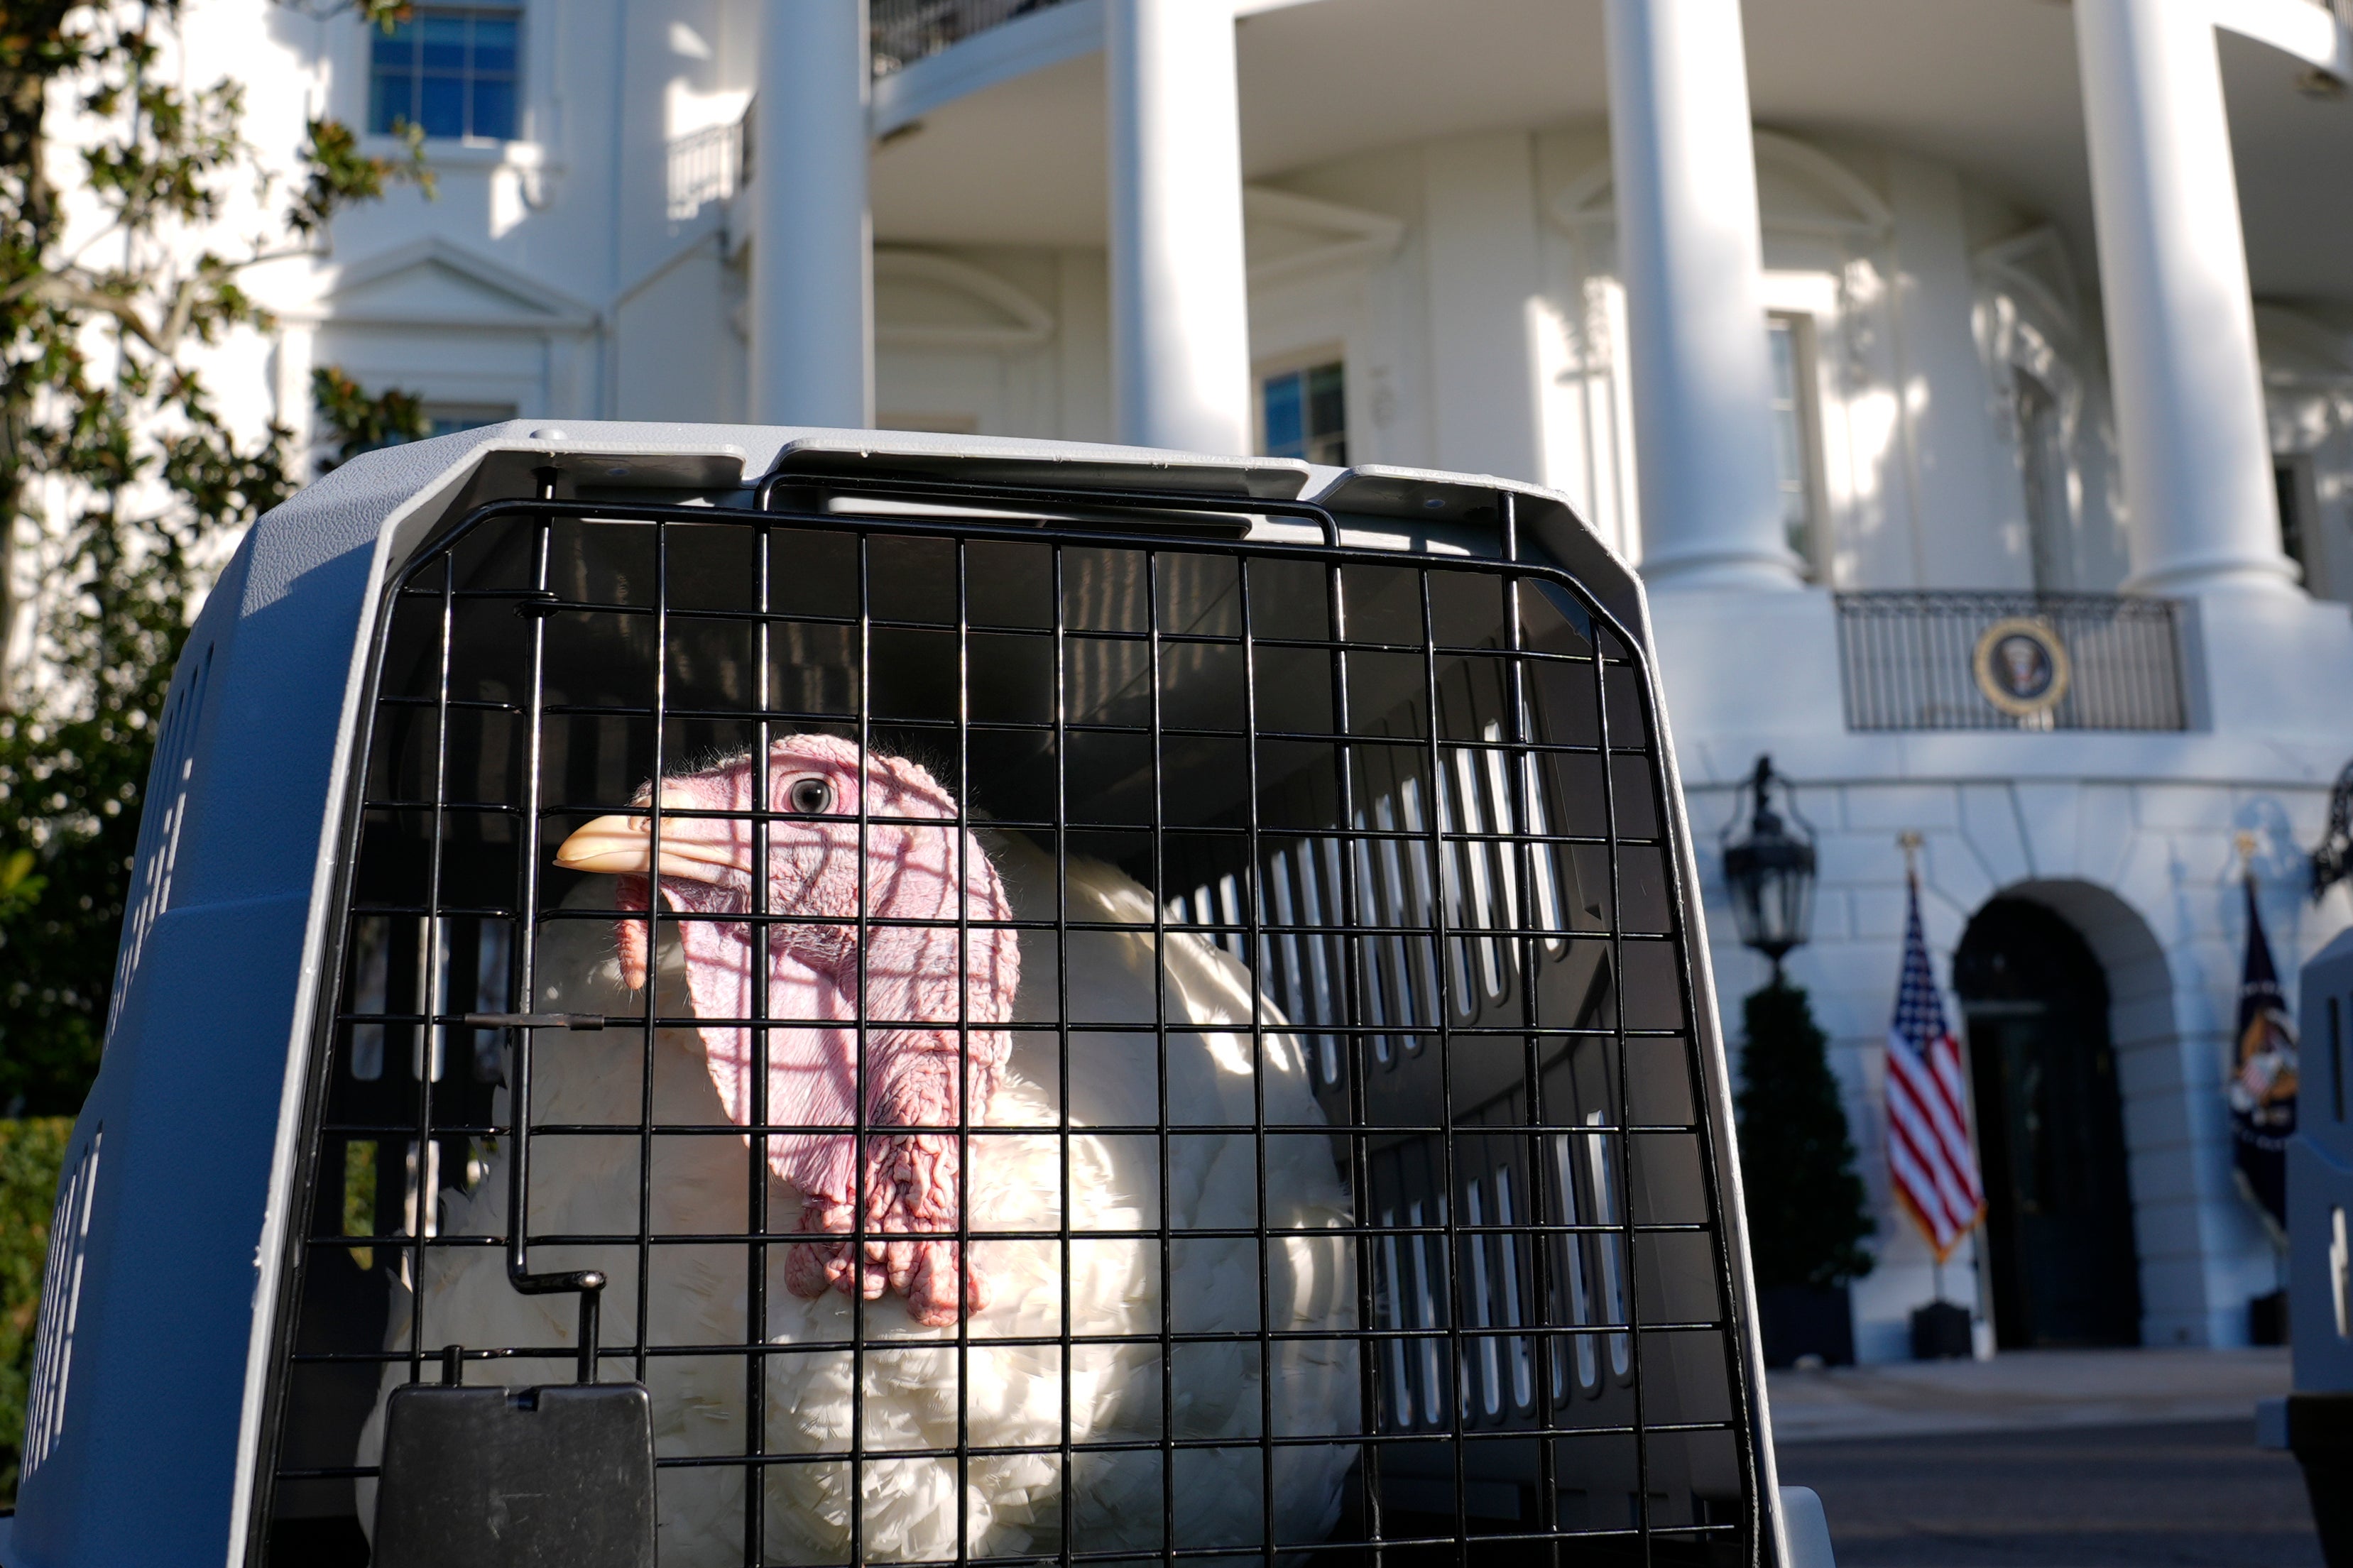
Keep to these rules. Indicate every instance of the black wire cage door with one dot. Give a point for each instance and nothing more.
(1061, 1045)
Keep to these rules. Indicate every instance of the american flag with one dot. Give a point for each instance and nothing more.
(1928, 1151)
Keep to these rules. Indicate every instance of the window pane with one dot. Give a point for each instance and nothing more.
(2287, 483)
(494, 45)
(451, 71)
(1326, 409)
(494, 114)
(395, 50)
(445, 42)
(444, 106)
(1285, 417)
(1791, 455)
(446, 419)
(389, 100)
(2043, 459)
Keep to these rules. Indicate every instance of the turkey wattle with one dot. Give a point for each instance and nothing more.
(823, 862)
(1013, 1394)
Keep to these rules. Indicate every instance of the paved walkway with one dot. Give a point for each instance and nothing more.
(2020, 1389)
(2192, 1494)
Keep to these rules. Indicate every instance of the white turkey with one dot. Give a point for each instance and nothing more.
(917, 1291)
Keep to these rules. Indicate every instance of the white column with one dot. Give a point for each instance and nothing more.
(1483, 267)
(812, 251)
(1692, 263)
(1180, 291)
(2201, 512)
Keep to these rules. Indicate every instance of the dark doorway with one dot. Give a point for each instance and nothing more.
(2050, 1131)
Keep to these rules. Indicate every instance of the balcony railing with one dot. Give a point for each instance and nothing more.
(708, 165)
(905, 31)
(2009, 661)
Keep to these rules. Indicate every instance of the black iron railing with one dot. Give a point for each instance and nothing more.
(905, 31)
(1933, 660)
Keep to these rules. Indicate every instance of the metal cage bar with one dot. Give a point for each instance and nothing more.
(1417, 927)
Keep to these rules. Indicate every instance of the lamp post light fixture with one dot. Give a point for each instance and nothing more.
(1771, 873)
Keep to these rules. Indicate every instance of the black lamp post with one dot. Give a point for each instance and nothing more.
(1771, 873)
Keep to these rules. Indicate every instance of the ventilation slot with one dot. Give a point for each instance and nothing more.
(45, 1409)
(159, 836)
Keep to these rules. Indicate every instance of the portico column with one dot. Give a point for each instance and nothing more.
(1691, 264)
(1179, 293)
(2201, 512)
(812, 250)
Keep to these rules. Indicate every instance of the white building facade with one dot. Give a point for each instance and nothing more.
(1860, 325)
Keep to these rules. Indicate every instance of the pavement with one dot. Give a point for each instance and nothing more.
(2048, 1460)
(2020, 1390)
(2196, 1494)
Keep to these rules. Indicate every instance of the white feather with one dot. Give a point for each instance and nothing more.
(1015, 1394)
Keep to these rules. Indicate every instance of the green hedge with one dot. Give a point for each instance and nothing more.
(31, 1152)
(1808, 1216)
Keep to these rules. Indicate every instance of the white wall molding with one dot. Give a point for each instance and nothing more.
(2035, 265)
(436, 282)
(1024, 322)
(1841, 205)
(1004, 52)
(2300, 352)
(2316, 35)
(1336, 236)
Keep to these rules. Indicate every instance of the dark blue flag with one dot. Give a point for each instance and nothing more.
(2263, 1079)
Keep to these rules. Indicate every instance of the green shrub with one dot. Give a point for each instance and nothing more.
(31, 1152)
(1808, 1216)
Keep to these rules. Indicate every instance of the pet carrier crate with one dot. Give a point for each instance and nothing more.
(789, 996)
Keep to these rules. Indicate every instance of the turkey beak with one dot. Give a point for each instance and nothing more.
(692, 848)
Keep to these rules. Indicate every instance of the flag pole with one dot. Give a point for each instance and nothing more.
(2244, 843)
(2260, 1004)
(1932, 1158)
(1909, 841)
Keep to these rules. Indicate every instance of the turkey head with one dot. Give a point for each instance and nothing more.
(920, 1018)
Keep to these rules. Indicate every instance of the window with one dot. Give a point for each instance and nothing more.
(452, 72)
(2042, 470)
(2295, 539)
(937, 423)
(1305, 414)
(1793, 434)
(448, 418)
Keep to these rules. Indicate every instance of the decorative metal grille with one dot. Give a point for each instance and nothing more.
(901, 32)
(1907, 660)
(1379, 843)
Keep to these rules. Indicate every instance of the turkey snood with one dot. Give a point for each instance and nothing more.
(914, 1035)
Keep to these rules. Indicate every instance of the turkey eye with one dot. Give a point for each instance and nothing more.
(811, 796)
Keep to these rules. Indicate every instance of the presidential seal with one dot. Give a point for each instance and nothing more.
(2021, 666)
